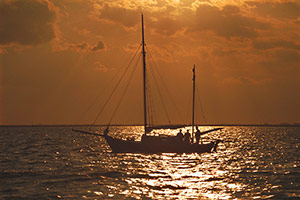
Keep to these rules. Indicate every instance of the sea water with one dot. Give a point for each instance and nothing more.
(56, 163)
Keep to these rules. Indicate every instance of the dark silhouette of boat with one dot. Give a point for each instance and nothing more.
(157, 144)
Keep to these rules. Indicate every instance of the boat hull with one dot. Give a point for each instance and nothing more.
(157, 145)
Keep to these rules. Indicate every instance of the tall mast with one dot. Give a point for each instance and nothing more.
(144, 76)
(193, 112)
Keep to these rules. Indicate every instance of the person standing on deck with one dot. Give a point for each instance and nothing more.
(187, 137)
(179, 136)
(197, 135)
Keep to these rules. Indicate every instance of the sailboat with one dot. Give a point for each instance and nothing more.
(156, 144)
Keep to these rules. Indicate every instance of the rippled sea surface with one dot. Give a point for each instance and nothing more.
(56, 163)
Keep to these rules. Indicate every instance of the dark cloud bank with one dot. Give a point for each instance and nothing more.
(27, 22)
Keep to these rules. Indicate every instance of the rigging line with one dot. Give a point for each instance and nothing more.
(108, 99)
(160, 96)
(158, 89)
(197, 118)
(105, 88)
(151, 108)
(166, 88)
(99, 94)
(188, 114)
(124, 92)
(150, 117)
(153, 111)
(201, 107)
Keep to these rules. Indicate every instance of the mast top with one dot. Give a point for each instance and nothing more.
(194, 73)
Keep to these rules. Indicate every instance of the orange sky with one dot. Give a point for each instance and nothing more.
(57, 56)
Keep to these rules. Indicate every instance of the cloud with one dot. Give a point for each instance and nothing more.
(165, 25)
(26, 22)
(227, 22)
(86, 47)
(282, 63)
(168, 53)
(127, 17)
(3, 50)
(223, 52)
(270, 44)
(100, 67)
(280, 10)
(80, 46)
(158, 21)
(99, 46)
(287, 57)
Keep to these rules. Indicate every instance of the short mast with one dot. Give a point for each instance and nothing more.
(144, 76)
(193, 112)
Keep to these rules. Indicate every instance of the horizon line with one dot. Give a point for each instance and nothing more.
(209, 124)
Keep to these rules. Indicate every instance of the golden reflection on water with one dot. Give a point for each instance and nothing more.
(180, 176)
(184, 176)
